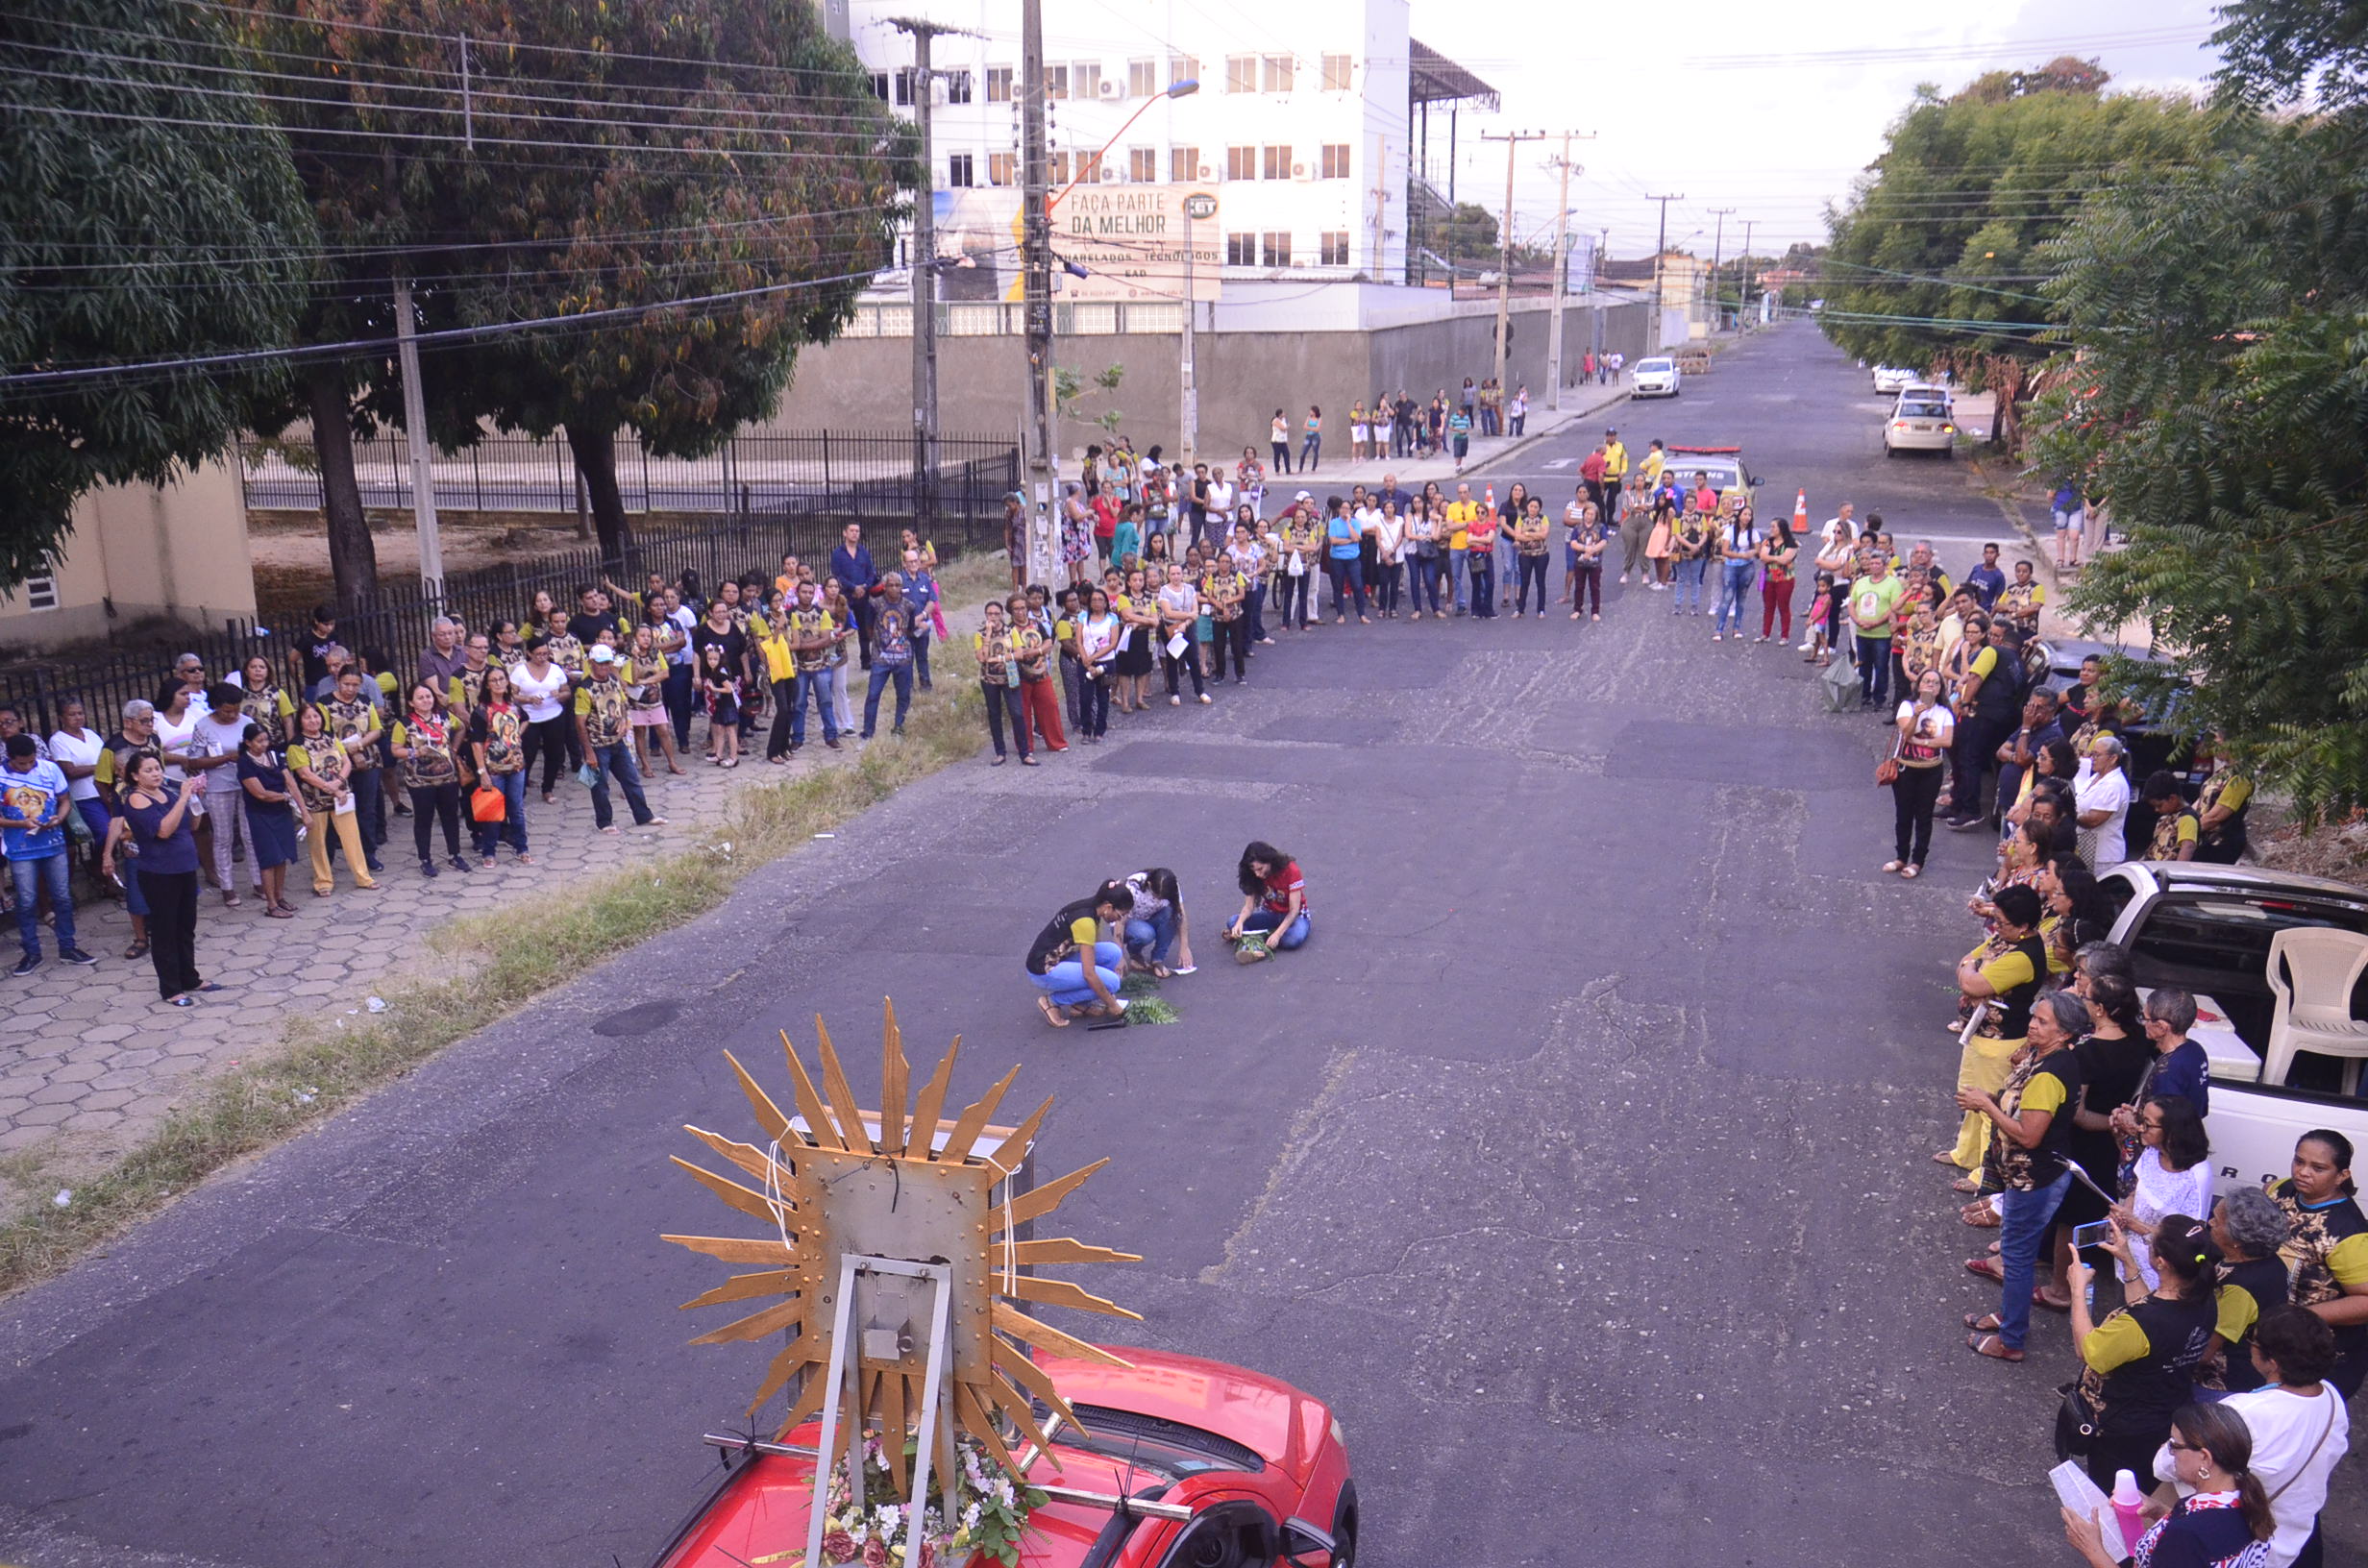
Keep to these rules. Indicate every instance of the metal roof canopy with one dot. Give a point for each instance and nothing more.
(1434, 79)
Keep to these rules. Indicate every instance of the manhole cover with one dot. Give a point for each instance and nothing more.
(639, 1020)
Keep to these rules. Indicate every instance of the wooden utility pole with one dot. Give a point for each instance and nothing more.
(1742, 277)
(415, 434)
(1661, 251)
(923, 260)
(1562, 269)
(1504, 247)
(1718, 248)
(1036, 262)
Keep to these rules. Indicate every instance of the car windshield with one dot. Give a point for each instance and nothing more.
(2216, 944)
(1167, 1449)
(1923, 411)
(1720, 470)
(1654, 366)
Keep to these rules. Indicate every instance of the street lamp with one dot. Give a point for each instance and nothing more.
(1177, 89)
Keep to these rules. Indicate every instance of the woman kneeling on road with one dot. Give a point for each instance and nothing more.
(1273, 914)
(1155, 928)
(1076, 971)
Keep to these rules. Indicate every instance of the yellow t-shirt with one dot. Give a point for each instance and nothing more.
(780, 664)
(2003, 973)
(1460, 516)
(1650, 468)
(1615, 460)
(2044, 1092)
(2117, 1341)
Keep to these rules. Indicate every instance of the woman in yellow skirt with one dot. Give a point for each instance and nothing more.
(2002, 977)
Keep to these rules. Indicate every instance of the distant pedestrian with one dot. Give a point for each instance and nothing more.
(2067, 512)
(1311, 444)
(603, 720)
(1278, 441)
(1459, 436)
(1518, 410)
(851, 564)
(1779, 550)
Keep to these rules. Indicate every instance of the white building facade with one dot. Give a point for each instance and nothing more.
(1300, 128)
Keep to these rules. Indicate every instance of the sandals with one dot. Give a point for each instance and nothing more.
(137, 950)
(1909, 873)
(278, 913)
(1983, 1322)
(1981, 1217)
(1988, 1268)
(1965, 1184)
(1053, 1015)
(1991, 1346)
(1946, 1157)
(1892, 866)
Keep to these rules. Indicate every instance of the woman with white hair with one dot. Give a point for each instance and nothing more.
(2101, 794)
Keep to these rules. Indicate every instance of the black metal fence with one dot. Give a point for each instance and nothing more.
(853, 476)
(388, 628)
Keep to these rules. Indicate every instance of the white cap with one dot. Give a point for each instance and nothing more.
(601, 653)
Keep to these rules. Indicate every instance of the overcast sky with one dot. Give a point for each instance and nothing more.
(1767, 109)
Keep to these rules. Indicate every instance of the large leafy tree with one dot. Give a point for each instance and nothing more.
(2219, 402)
(148, 212)
(1935, 258)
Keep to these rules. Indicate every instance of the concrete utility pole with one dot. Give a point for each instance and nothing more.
(924, 261)
(1743, 277)
(1504, 247)
(1660, 248)
(1562, 269)
(1036, 262)
(415, 433)
(1718, 247)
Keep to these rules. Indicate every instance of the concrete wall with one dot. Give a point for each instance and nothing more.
(179, 550)
(865, 383)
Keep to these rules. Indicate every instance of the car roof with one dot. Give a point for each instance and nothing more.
(1250, 1407)
(2174, 876)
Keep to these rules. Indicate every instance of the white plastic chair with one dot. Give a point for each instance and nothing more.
(2314, 1008)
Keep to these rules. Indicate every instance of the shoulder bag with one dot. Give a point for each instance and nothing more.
(1886, 771)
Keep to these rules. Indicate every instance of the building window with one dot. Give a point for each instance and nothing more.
(1336, 161)
(1085, 79)
(1143, 166)
(1278, 163)
(1275, 246)
(1241, 163)
(1142, 77)
(40, 593)
(1183, 68)
(958, 168)
(1336, 248)
(1056, 80)
(1060, 169)
(1003, 168)
(1241, 250)
(957, 86)
(879, 85)
(1183, 164)
(1336, 71)
(999, 84)
(1277, 73)
(1241, 73)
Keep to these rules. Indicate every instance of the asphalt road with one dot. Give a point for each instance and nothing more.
(1579, 1158)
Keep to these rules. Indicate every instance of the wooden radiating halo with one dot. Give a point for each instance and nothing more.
(815, 1192)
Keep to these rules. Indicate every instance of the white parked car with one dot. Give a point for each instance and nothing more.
(1919, 424)
(1892, 380)
(1656, 378)
(2207, 930)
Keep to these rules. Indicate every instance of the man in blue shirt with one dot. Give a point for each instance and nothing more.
(851, 564)
(1987, 580)
(920, 592)
(34, 800)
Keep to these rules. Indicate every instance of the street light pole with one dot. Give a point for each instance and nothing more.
(1742, 277)
(1504, 248)
(923, 260)
(1718, 249)
(1661, 251)
(1562, 270)
(1036, 265)
(415, 433)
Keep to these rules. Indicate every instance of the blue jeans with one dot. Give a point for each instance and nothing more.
(1733, 584)
(54, 870)
(1257, 601)
(1425, 570)
(822, 684)
(1310, 450)
(2022, 1230)
(1066, 983)
(1874, 671)
(513, 824)
(617, 759)
(1689, 575)
(1348, 579)
(1457, 575)
(1158, 934)
(1290, 936)
(882, 675)
(1480, 573)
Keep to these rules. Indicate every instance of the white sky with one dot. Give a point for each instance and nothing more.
(1745, 116)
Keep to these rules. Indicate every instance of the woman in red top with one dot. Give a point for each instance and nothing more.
(1274, 898)
(1108, 507)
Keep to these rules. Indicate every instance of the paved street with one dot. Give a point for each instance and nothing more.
(1578, 1158)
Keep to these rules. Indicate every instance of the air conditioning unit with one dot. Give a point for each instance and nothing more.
(1208, 173)
(1298, 171)
(1109, 171)
(1110, 88)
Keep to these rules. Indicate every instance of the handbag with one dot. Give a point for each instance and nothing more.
(1886, 771)
(2075, 1421)
(487, 805)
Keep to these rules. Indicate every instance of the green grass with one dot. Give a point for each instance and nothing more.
(320, 1069)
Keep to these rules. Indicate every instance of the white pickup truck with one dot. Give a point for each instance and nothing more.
(2207, 930)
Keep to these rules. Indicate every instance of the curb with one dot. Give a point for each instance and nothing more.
(1527, 441)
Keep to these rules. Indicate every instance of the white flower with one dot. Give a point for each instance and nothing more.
(970, 1517)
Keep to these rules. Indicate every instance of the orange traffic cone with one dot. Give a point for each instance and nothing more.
(1488, 497)
(1800, 512)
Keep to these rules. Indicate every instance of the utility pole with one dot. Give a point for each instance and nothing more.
(1742, 277)
(1660, 248)
(1036, 260)
(415, 431)
(1562, 270)
(1504, 247)
(1718, 248)
(924, 261)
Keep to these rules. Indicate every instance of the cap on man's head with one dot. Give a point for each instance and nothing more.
(601, 653)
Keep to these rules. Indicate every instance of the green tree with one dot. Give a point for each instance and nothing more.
(1933, 260)
(1465, 234)
(2218, 400)
(148, 212)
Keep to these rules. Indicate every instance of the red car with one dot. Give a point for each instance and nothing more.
(1218, 1467)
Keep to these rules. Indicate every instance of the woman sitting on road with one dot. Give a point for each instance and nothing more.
(1075, 971)
(1157, 926)
(1274, 903)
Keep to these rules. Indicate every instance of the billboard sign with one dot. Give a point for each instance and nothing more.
(1130, 239)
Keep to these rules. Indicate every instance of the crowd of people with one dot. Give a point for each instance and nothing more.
(308, 759)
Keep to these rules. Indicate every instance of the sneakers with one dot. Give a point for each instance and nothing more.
(75, 955)
(27, 965)
(461, 863)
(427, 867)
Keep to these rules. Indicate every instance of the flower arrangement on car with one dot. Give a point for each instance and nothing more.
(991, 1516)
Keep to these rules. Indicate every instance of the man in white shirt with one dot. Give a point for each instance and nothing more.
(2300, 1428)
(1222, 493)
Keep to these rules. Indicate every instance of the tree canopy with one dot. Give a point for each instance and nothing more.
(148, 212)
(1934, 257)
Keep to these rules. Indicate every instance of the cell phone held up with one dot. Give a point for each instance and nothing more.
(2100, 1233)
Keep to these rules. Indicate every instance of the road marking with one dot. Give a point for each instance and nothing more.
(1562, 462)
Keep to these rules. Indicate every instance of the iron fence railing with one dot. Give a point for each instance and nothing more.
(388, 628)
